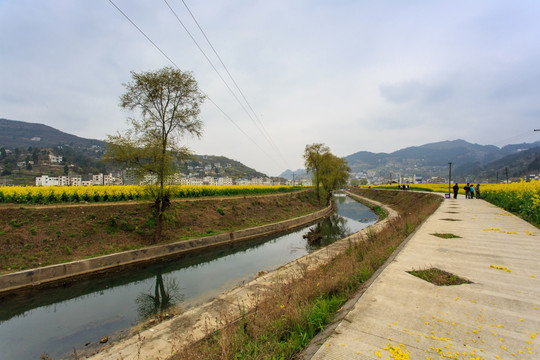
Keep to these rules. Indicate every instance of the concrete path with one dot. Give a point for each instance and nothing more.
(496, 317)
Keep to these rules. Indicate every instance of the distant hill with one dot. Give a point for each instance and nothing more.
(84, 155)
(518, 164)
(432, 154)
(23, 134)
(298, 174)
(470, 161)
(219, 166)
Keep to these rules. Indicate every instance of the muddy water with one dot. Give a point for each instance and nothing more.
(57, 321)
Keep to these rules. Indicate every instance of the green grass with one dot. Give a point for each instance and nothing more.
(379, 211)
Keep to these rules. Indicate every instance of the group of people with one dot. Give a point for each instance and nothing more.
(470, 190)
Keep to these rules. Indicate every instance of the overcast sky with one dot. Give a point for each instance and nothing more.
(355, 75)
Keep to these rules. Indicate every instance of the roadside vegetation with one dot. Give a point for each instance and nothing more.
(520, 198)
(285, 321)
(39, 235)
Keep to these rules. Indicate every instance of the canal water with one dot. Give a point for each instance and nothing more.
(57, 321)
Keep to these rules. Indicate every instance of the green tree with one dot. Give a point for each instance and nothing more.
(35, 156)
(312, 161)
(167, 106)
(333, 174)
(329, 172)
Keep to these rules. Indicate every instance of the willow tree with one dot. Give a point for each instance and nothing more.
(333, 174)
(313, 161)
(329, 172)
(165, 105)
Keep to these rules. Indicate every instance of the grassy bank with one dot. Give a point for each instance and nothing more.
(38, 235)
(285, 321)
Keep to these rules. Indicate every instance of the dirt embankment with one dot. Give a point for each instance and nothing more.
(35, 236)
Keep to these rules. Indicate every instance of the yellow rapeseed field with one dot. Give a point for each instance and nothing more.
(522, 198)
(58, 194)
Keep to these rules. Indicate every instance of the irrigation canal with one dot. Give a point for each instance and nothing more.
(57, 321)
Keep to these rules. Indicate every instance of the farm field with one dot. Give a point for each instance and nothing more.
(111, 193)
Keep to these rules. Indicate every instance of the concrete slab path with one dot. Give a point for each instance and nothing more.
(496, 317)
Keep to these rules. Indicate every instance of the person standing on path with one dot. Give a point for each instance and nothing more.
(467, 189)
(456, 189)
(477, 190)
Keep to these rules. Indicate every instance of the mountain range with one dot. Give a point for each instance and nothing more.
(23, 134)
(470, 162)
(86, 154)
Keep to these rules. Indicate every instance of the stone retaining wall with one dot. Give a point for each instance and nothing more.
(63, 272)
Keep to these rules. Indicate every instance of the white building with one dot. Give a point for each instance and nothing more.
(224, 181)
(75, 180)
(63, 180)
(97, 179)
(45, 180)
(55, 159)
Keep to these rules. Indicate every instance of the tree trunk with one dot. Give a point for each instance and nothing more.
(159, 220)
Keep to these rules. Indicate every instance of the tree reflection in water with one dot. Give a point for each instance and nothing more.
(331, 229)
(166, 294)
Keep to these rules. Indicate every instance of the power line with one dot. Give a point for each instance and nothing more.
(204, 54)
(207, 96)
(265, 133)
(142, 32)
(260, 127)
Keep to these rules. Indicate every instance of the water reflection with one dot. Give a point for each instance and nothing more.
(165, 295)
(329, 230)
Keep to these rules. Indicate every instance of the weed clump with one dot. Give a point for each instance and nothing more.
(446, 235)
(439, 277)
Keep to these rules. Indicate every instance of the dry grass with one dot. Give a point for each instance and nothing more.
(284, 322)
(446, 235)
(439, 277)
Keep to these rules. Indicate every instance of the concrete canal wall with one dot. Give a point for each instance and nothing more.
(53, 274)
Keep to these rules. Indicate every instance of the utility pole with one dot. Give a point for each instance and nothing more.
(293, 178)
(449, 177)
(506, 169)
(497, 181)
